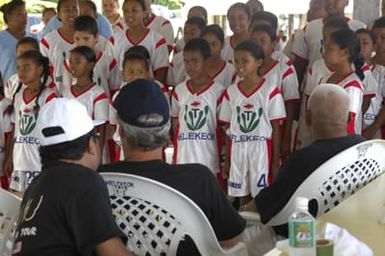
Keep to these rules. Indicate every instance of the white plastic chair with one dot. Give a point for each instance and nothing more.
(156, 217)
(338, 178)
(9, 209)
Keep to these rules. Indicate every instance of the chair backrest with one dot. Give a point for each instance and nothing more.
(9, 211)
(156, 217)
(338, 178)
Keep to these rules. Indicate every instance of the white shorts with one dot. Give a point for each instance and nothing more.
(20, 180)
(249, 168)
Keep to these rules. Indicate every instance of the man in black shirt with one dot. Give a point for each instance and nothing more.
(144, 123)
(66, 210)
(327, 116)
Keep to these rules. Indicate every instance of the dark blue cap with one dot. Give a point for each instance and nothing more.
(141, 97)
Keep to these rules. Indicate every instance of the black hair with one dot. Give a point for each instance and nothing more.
(138, 49)
(198, 44)
(242, 6)
(8, 8)
(201, 9)
(87, 24)
(48, 10)
(367, 32)
(87, 53)
(39, 59)
(69, 150)
(265, 16)
(335, 22)
(197, 21)
(28, 40)
(92, 5)
(269, 30)
(60, 3)
(379, 23)
(347, 39)
(255, 50)
(215, 30)
(141, 2)
(136, 56)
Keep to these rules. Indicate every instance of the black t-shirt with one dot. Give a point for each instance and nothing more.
(292, 173)
(196, 182)
(65, 211)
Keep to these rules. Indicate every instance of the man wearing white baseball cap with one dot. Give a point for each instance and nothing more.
(66, 210)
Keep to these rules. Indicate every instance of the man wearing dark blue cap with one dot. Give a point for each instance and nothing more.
(143, 115)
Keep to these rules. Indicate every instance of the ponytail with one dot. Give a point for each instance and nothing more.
(11, 107)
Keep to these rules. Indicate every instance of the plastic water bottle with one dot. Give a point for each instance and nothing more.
(302, 238)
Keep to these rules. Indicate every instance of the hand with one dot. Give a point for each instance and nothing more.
(249, 207)
(369, 133)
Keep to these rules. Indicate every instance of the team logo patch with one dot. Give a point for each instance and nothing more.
(196, 116)
(27, 121)
(248, 118)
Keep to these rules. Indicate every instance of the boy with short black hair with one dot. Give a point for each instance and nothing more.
(194, 110)
(193, 28)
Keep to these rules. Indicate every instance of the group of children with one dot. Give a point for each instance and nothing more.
(233, 99)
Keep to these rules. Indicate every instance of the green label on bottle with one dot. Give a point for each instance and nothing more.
(302, 234)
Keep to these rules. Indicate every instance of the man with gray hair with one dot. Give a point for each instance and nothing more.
(143, 116)
(327, 117)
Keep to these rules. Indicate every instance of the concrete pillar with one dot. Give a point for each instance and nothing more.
(366, 10)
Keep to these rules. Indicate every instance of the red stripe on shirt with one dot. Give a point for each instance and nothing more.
(166, 22)
(287, 73)
(50, 97)
(351, 125)
(160, 43)
(274, 93)
(112, 64)
(175, 96)
(112, 40)
(354, 84)
(100, 97)
(45, 43)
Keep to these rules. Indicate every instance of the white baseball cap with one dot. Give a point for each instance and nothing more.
(62, 120)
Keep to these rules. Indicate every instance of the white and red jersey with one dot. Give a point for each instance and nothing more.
(105, 74)
(13, 83)
(26, 144)
(5, 129)
(320, 70)
(376, 103)
(228, 50)
(284, 76)
(279, 44)
(289, 45)
(281, 57)
(118, 26)
(162, 26)
(176, 72)
(226, 75)
(251, 114)
(195, 139)
(94, 99)
(154, 43)
(56, 48)
(308, 45)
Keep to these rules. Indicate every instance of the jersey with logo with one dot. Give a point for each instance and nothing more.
(250, 133)
(26, 144)
(308, 46)
(228, 50)
(195, 140)
(376, 103)
(162, 26)
(94, 99)
(105, 74)
(154, 43)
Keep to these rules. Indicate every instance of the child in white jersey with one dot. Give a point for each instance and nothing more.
(81, 64)
(239, 16)
(31, 94)
(219, 70)
(194, 110)
(251, 110)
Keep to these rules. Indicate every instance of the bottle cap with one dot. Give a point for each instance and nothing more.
(302, 202)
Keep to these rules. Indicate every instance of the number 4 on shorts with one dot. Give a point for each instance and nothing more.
(262, 181)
